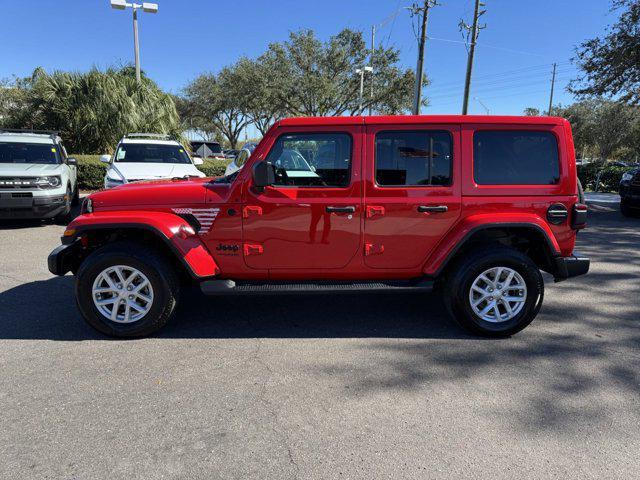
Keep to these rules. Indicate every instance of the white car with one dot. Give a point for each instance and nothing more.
(241, 158)
(148, 156)
(37, 178)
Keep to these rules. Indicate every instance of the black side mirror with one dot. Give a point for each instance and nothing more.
(72, 161)
(264, 174)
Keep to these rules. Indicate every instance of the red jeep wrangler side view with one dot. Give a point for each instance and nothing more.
(475, 206)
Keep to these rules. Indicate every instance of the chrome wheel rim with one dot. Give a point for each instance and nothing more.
(498, 294)
(122, 294)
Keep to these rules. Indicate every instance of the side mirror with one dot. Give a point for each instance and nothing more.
(264, 174)
(197, 161)
(72, 161)
(105, 158)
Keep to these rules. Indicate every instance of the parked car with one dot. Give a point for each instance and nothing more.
(473, 206)
(147, 156)
(241, 158)
(230, 153)
(630, 193)
(207, 150)
(37, 177)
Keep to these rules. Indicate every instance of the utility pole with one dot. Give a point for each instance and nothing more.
(477, 13)
(424, 11)
(373, 48)
(360, 71)
(553, 83)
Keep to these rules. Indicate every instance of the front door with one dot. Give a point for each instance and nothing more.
(311, 217)
(412, 194)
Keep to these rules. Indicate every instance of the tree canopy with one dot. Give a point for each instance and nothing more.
(611, 64)
(92, 110)
(302, 76)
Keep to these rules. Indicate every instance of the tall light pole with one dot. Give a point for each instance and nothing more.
(361, 71)
(146, 7)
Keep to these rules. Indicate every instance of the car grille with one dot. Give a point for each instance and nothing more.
(18, 182)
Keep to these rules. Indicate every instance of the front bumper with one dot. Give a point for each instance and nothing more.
(64, 258)
(25, 205)
(573, 266)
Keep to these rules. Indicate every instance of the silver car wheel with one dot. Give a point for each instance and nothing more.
(498, 294)
(122, 294)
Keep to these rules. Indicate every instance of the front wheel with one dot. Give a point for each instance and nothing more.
(495, 291)
(124, 290)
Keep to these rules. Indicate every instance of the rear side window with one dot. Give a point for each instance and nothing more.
(515, 158)
(418, 158)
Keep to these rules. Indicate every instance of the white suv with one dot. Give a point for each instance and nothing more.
(37, 178)
(148, 156)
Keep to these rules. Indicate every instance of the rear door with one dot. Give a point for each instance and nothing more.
(412, 192)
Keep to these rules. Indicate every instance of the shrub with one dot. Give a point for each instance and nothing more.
(610, 176)
(91, 170)
(213, 168)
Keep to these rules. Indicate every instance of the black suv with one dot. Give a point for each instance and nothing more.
(630, 193)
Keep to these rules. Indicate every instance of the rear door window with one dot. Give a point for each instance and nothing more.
(418, 158)
(514, 157)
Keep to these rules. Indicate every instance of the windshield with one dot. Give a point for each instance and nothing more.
(43, 153)
(151, 153)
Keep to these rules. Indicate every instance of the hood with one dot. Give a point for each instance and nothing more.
(161, 193)
(151, 171)
(28, 169)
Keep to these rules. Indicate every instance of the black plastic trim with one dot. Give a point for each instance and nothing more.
(470, 233)
(135, 226)
(568, 267)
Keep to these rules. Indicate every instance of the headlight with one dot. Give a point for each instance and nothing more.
(87, 206)
(48, 182)
(626, 177)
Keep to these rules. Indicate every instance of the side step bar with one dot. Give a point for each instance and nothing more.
(229, 287)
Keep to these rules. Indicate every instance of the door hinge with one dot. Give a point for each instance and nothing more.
(371, 249)
(373, 210)
(250, 249)
(251, 210)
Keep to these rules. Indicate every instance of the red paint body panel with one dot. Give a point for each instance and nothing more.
(191, 248)
(286, 233)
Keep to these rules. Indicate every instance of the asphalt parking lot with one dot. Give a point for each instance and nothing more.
(322, 387)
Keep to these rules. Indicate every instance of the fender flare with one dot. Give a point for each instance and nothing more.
(457, 237)
(174, 231)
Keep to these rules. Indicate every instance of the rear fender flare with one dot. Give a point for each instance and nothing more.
(173, 230)
(456, 238)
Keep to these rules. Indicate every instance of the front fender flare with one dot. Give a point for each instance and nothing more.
(454, 240)
(171, 229)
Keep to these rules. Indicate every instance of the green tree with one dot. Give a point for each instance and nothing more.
(93, 110)
(611, 64)
(532, 112)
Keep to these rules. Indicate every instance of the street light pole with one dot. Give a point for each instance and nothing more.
(136, 45)
(361, 71)
(146, 7)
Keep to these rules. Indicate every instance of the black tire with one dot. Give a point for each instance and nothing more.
(64, 217)
(153, 264)
(75, 200)
(626, 211)
(460, 279)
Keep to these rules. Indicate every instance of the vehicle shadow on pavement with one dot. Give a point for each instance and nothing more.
(46, 310)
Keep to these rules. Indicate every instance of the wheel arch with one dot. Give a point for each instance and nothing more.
(528, 237)
(175, 238)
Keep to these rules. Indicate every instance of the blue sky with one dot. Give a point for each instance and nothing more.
(512, 69)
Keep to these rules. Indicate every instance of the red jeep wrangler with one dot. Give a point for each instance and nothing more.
(473, 205)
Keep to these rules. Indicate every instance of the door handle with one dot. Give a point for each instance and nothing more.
(349, 209)
(433, 208)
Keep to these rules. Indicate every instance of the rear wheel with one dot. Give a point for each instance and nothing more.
(496, 291)
(126, 291)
